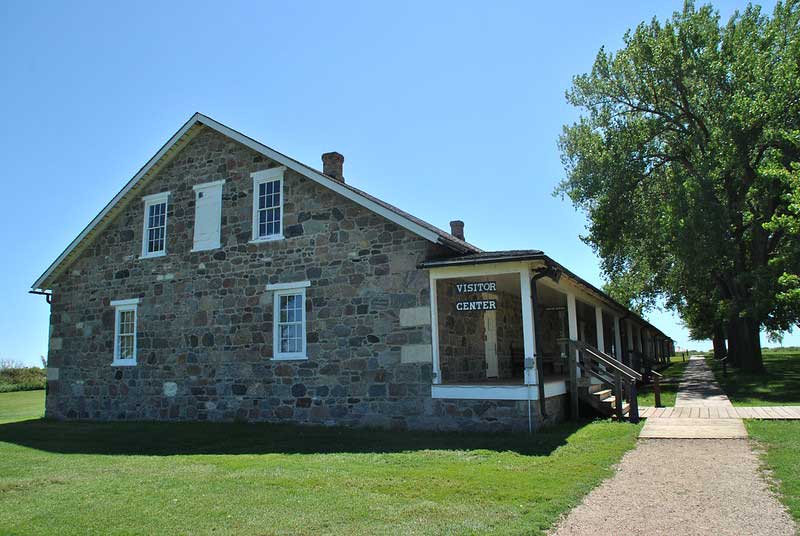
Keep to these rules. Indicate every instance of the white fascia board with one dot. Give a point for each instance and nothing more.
(122, 193)
(499, 268)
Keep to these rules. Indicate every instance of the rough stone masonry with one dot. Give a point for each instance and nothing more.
(205, 318)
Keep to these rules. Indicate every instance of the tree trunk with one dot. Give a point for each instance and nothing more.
(734, 348)
(749, 341)
(720, 351)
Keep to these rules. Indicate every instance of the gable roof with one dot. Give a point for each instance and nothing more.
(182, 137)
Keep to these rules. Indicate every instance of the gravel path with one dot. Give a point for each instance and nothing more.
(683, 486)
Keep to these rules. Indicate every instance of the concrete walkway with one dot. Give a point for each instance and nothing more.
(698, 392)
(686, 486)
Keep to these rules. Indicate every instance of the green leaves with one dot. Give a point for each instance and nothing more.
(686, 159)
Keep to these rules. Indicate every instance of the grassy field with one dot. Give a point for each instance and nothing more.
(21, 405)
(204, 478)
(780, 441)
(669, 389)
(778, 386)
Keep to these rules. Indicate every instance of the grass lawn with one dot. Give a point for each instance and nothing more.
(780, 441)
(206, 478)
(778, 386)
(21, 405)
(669, 388)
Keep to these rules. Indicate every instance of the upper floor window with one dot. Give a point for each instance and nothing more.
(268, 204)
(125, 320)
(289, 320)
(154, 237)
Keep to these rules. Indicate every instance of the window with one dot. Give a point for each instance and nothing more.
(207, 215)
(154, 237)
(289, 320)
(125, 320)
(268, 204)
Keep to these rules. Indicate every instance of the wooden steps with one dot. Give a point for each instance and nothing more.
(601, 398)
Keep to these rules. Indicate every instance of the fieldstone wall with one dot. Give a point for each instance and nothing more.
(462, 347)
(205, 319)
(510, 345)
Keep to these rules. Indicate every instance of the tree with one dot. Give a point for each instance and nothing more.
(686, 162)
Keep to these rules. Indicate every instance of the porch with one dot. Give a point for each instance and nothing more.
(505, 327)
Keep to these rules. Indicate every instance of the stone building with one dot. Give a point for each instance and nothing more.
(227, 281)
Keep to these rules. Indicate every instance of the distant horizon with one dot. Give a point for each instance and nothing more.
(447, 111)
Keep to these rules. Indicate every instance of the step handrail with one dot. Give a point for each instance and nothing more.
(607, 360)
(613, 371)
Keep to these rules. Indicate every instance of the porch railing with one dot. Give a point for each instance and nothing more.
(596, 364)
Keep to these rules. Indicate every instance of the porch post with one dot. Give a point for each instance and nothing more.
(598, 316)
(572, 318)
(629, 333)
(617, 339)
(437, 373)
(528, 337)
(574, 372)
(639, 340)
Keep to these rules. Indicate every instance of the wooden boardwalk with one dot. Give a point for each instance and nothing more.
(721, 412)
(702, 411)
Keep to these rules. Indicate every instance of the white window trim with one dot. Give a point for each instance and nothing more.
(259, 177)
(149, 200)
(287, 286)
(284, 289)
(209, 186)
(120, 306)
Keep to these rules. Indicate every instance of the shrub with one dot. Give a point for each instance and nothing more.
(20, 378)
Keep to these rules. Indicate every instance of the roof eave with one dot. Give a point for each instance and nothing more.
(393, 214)
(600, 294)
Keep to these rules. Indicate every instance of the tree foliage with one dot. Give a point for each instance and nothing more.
(686, 160)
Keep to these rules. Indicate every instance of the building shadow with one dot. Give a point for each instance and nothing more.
(165, 439)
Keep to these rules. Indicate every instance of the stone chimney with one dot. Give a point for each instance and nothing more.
(332, 165)
(457, 229)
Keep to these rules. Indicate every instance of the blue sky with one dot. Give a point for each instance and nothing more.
(448, 110)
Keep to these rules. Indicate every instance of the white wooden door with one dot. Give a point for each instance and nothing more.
(490, 332)
(207, 216)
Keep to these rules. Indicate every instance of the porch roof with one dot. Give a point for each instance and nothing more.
(518, 255)
(485, 257)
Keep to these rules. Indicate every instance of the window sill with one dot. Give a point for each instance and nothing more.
(272, 238)
(291, 358)
(123, 363)
(212, 248)
(154, 255)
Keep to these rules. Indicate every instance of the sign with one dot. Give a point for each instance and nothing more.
(477, 305)
(478, 286)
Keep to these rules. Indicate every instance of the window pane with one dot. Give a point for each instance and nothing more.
(126, 334)
(156, 227)
(290, 323)
(269, 202)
